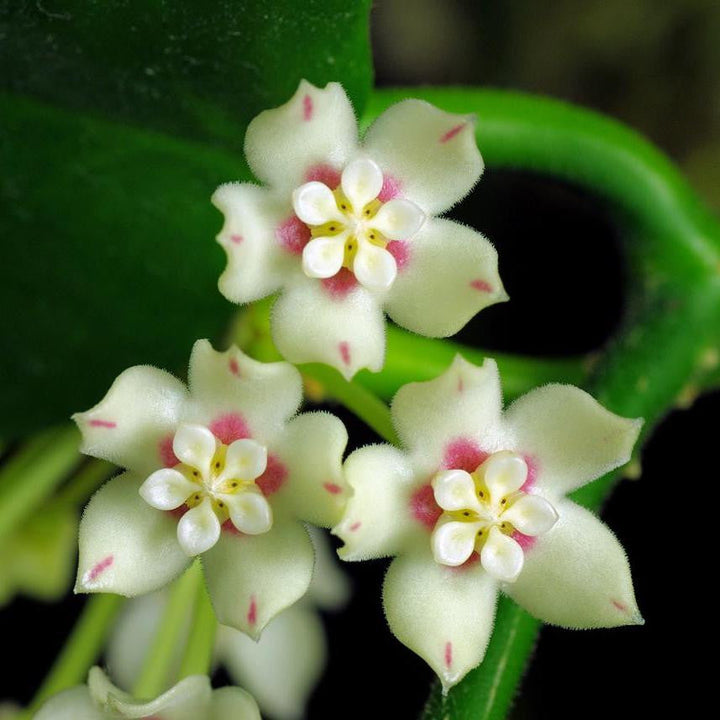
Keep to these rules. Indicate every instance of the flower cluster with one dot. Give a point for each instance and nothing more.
(474, 503)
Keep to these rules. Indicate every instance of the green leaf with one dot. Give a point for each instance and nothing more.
(197, 69)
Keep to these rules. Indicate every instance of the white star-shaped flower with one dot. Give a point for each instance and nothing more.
(476, 504)
(221, 469)
(346, 229)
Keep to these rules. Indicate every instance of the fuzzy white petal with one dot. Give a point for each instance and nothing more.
(249, 511)
(198, 529)
(431, 153)
(315, 126)
(453, 542)
(310, 325)
(229, 384)
(255, 261)
(188, 700)
(443, 614)
(167, 489)
(377, 521)
(314, 203)
(531, 515)
(311, 448)
(501, 557)
(323, 256)
(127, 426)
(73, 704)
(455, 490)
(126, 546)
(233, 702)
(245, 460)
(282, 668)
(251, 578)
(463, 404)
(361, 182)
(195, 446)
(571, 437)
(577, 575)
(374, 267)
(504, 472)
(398, 219)
(450, 275)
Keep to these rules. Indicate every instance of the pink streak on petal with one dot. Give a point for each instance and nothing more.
(532, 465)
(391, 188)
(274, 476)
(326, 174)
(622, 607)
(230, 427)
(234, 367)
(307, 108)
(448, 655)
(450, 134)
(293, 235)
(344, 350)
(103, 423)
(355, 526)
(332, 488)
(480, 285)
(237, 239)
(460, 385)
(526, 542)
(167, 454)
(252, 612)
(400, 250)
(463, 454)
(423, 506)
(103, 565)
(340, 285)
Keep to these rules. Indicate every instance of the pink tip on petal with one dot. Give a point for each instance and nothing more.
(230, 427)
(480, 285)
(167, 454)
(448, 655)
(340, 285)
(452, 132)
(234, 366)
(103, 424)
(307, 108)
(332, 488)
(526, 542)
(463, 454)
(326, 174)
(274, 476)
(424, 508)
(344, 350)
(400, 250)
(622, 607)
(252, 611)
(237, 239)
(391, 188)
(355, 526)
(99, 568)
(293, 235)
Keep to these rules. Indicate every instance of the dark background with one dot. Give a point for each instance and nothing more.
(655, 66)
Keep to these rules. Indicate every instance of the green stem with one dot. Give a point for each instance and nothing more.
(159, 661)
(82, 648)
(33, 473)
(672, 244)
(197, 659)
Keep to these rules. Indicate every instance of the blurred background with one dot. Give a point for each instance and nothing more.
(655, 65)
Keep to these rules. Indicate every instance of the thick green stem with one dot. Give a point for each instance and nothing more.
(669, 344)
(161, 658)
(197, 659)
(81, 650)
(33, 473)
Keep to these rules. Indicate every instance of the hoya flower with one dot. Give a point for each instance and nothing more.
(280, 670)
(476, 504)
(224, 469)
(191, 699)
(346, 229)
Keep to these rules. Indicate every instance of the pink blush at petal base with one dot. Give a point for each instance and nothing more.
(463, 454)
(230, 427)
(293, 235)
(424, 508)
